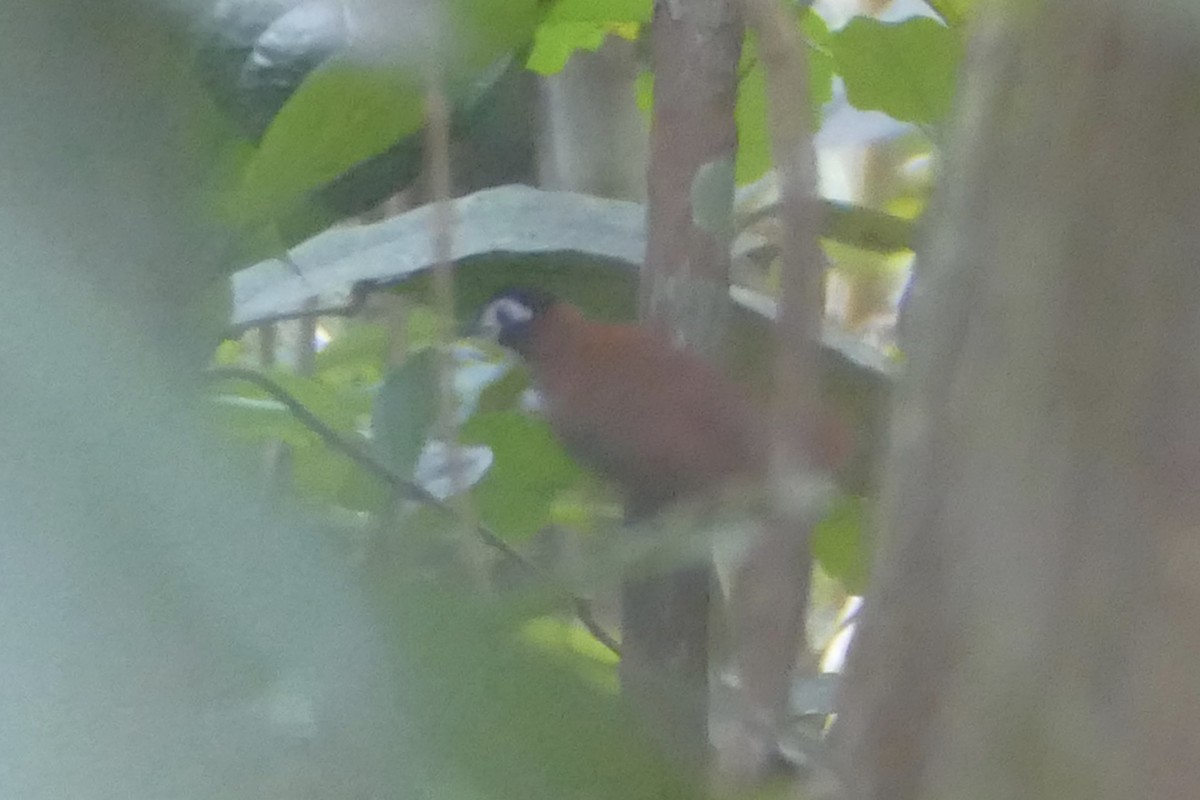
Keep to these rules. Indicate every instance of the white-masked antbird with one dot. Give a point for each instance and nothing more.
(658, 421)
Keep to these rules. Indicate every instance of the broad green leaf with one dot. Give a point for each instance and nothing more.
(258, 420)
(360, 491)
(600, 11)
(505, 393)
(815, 32)
(519, 723)
(321, 474)
(355, 355)
(342, 114)
(336, 406)
(840, 543)
(750, 114)
(572, 25)
(907, 69)
(587, 508)
(955, 12)
(405, 410)
(555, 42)
(229, 351)
(487, 29)
(529, 469)
(318, 474)
(567, 642)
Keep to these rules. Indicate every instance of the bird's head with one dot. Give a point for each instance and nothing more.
(511, 315)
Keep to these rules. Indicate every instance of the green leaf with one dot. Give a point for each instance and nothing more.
(258, 420)
(505, 393)
(600, 11)
(354, 356)
(820, 61)
(336, 406)
(323, 475)
(487, 29)
(954, 12)
(341, 114)
(907, 70)
(840, 543)
(529, 469)
(555, 42)
(405, 410)
(572, 25)
(567, 642)
(228, 352)
(476, 692)
(750, 114)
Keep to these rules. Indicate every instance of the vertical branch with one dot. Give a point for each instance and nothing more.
(695, 47)
(302, 357)
(770, 593)
(437, 163)
(437, 169)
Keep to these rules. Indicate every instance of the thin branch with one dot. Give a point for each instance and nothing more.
(850, 224)
(770, 590)
(414, 491)
(441, 230)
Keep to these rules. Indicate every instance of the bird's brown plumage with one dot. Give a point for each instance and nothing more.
(659, 422)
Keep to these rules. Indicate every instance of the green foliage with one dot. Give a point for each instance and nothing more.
(754, 145)
(815, 33)
(530, 468)
(405, 410)
(907, 69)
(555, 43)
(954, 12)
(508, 717)
(259, 420)
(505, 392)
(839, 543)
(750, 115)
(601, 11)
(322, 477)
(354, 356)
(572, 25)
(342, 114)
(485, 30)
(572, 645)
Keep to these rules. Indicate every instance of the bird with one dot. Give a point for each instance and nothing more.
(659, 422)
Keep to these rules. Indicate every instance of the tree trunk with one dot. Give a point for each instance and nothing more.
(1032, 628)
(696, 46)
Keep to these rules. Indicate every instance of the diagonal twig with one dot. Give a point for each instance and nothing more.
(581, 606)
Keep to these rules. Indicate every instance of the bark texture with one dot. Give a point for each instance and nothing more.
(769, 597)
(1032, 629)
(695, 47)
